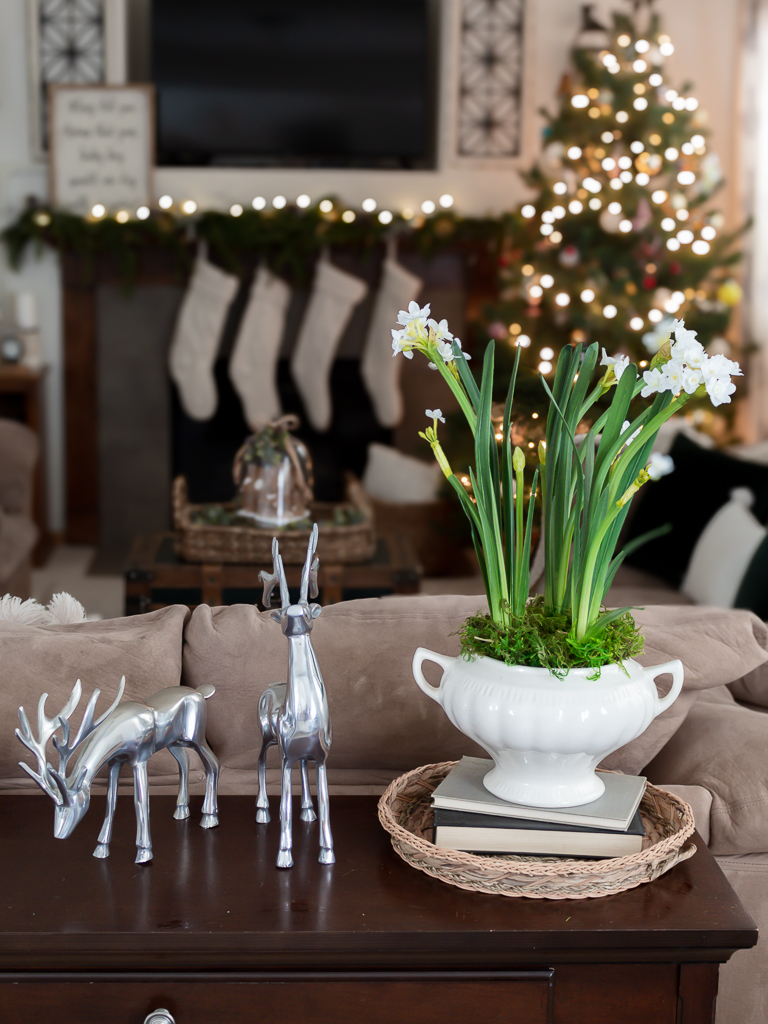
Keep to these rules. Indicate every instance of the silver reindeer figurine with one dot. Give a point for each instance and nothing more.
(295, 715)
(171, 719)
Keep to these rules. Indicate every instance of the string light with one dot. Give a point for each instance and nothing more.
(687, 149)
(531, 444)
(671, 95)
(369, 205)
(523, 341)
(545, 366)
(622, 116)
(666, 49)
(697, 141)
(609, 311)
(639, 66)
(641, 102)
(259, 202)
(616, 184)
(165, 202)
(655, 316)
(637, 147)
(686, 177)
(385, 217)
(556, 238)
(678, 104)
(643, 363)
(546, 280)
(708, 232)
(608, 59)
(548, 217)
(587, 295)
(608, 164)
(668, 118)
(527, 270)
(325, 206)
(655, 80)
(700, 247)
(642, 178)
(655, 139)
(407, 213)
(428, 207)
(535, 291)
(562, 298)
(547, 353)
(279, 202)
(534, 415)
(189, 206)
(143, 213)
(642, 46)
(446, 200)
(591, 185)
(515, 328)
(236, 210)
(606, 137)
(685, 237)
(122, 216)
(668, 224)
(614, 69)
(636, 323)
(691, 103)
(659, 196)
(624, 39)
(348, 216)
(559, 188)
(626, 177)
(625, 226)
(614, 208)
(574, 152)
(625, 162)
(575, 206)
(528, 211)
(595, 203)
(580, 100)
(672, 244)
(303, 201)
(559, 212)
(682, 214)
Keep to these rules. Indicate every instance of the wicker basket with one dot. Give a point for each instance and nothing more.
(202, 542)
(405, 811)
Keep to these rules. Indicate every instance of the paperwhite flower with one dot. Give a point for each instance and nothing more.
(619, 363)
(440, 330)
(654, 382)
(672, 376)
(720, 366)
(625, 426)
(682, 335)
(446, 350)
(435, 414)
(659, 465)
(692, 379)
(413, 313)
(653, 340)
(398, 337)
(720, 390)
(689, 350)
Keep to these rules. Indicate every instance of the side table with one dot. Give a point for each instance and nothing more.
(155, 576)
(212, 931)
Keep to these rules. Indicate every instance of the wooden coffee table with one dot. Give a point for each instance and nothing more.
(213, 932)
(155, 576)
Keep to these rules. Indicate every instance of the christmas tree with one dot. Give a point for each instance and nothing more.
(621, 237)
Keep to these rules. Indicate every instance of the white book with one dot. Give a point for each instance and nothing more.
(463, 790)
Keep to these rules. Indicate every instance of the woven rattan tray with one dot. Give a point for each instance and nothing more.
(405, 811)
(202, 542)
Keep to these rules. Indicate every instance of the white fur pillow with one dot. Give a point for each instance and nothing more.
(63, 609)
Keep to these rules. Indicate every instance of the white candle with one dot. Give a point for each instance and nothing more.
(26, 311)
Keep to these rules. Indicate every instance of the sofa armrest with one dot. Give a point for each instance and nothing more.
(700, 800)
(19, 450)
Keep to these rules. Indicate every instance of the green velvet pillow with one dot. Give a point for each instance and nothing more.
(753, 591)
(687, 499)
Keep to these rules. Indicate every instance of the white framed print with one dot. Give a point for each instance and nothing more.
(101, 141)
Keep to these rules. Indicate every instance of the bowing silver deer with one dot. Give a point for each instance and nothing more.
(295, 715)
(128, 733)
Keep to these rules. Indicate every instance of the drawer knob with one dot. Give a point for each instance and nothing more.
(159, 1017)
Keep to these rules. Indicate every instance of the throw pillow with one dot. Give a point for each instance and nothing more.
(146, 649)
(392, 476)
(688, 499)
(753, 590)
(724, 552)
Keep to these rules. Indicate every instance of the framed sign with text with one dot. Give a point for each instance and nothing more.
(101, 146)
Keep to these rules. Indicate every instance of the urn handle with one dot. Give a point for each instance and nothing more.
(675, 668)
(422, 655)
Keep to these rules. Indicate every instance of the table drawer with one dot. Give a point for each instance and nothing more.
(523, 997)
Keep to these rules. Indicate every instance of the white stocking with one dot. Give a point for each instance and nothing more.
(334, 295)
(253, 366)
(381, 373)
(197, 336)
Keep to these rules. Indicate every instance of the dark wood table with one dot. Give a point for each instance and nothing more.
(213, 932)
(156, 576)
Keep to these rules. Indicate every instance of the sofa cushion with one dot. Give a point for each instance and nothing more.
(146, 649)
(380, 718)
(721, 746)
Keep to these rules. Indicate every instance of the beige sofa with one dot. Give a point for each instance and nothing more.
(707, 747)
(18, 533)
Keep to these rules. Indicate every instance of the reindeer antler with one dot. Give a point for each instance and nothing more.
(269, 579)
(87, 726)
(309, 572)
(48, 779)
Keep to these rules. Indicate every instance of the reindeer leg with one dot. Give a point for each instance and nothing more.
(141, 803)
(182, 801)
(102, 850)
(307, 810)
(285, 857)
(326, 840)
(210, 817)
(262, 803)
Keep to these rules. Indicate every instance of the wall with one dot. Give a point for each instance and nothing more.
(707, 36)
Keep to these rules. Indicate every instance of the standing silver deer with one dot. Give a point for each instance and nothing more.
(172, 719)
(295, 715)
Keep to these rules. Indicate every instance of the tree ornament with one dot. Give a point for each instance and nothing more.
(569, 257)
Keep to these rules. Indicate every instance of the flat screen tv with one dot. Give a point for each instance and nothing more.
(327, 83)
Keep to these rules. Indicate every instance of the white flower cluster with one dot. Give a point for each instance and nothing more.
(418, 329)
(689, 366)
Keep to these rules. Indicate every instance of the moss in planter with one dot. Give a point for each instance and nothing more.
(542, 639)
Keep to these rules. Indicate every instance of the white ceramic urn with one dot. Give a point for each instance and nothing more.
(547, 735)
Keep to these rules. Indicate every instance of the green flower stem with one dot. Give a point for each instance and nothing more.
(455, 385)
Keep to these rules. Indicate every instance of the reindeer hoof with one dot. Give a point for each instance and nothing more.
(307, 814)
(262, 816)
(209, 821)
(326, 856)
(143, 855)
(101, 851)
(285, 859)
(181, 812)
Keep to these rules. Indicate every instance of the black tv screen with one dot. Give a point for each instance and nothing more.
(334, 83)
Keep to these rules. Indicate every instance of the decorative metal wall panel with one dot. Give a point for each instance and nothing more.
(70, 46)
(491, 65)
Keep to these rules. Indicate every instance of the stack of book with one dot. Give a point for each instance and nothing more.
(468, 817)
